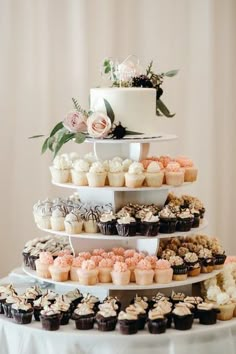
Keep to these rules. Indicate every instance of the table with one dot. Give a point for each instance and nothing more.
(31, 339)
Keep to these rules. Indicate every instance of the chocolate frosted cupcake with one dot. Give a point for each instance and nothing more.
(107, 224)
(156, 323)
(128, 323)
(191, 260)
(184, 221)
(50, 319)
(106, 319)
(180, 270)
(183, 318)
(22, 312)
(84, 317)
(126, 226)
(168, 221)
(150, 225)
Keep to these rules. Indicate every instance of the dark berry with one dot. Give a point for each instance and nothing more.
(119, 131)
(142, 81)
(159, 92)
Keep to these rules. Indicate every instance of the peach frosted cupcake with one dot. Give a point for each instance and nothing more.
(118, 251)
(116, 175)
(98, 251)
(154, 175)
(190, 171)
(97, 259)
(96, 175)
(131, 263)
(59, 270)
(79, 171)
(144, 273)
(88, 273)
(105, 267)
(135, 176)
(174, 174)
(60, 170)
(76, 265)
(120, 274)
(129, 252)
(163, 272)
(42, 264)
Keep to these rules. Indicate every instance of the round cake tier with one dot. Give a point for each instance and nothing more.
(130, 286)
(129, 139)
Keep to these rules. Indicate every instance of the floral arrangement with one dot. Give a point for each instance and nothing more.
(130, 73)
(79, 124)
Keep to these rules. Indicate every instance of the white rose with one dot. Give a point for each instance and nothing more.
(98, 125)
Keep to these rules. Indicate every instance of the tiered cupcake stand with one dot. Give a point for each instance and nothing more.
(31, 338)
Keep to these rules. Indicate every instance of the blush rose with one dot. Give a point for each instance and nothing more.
(75, 122)
(99, 125)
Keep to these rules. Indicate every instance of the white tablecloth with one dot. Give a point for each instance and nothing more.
(31, 339)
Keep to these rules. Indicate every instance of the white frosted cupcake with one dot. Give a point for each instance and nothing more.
(73, 223)
(96, 175)
(116, 176)
(60, 170)
(57, 219)
(134, 178)
(126, 163)
(154, 175)
(43, 215)
(78, 172)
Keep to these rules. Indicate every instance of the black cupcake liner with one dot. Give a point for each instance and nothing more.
(22, 317)
(51, 323)
(157, 326)
(126, 229)
(128, 326)
(26, 258)
(196, 221)
(106, 324)
(108, 228)
(149, 228)
(183, 323)
(182, 269)
(1, 306)
(66, 315)
(184, 224)
(32, 260)
(84, 322)
(207, 317)
(167, 226)
(207, 261)
(7, 309)
(219, 259)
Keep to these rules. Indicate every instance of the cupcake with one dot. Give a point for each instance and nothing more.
(168, 221)
(88, 273)
(38, 306)
(96, 175)
(60, 170)
(196, 217)
(180, 270)
(225, 306)
(74, 297)
(207, 313)
(137, 310)
(191, 260)
(184, 221)
(183, 318)
(50, 296)
(132, 263)
(42, 264)
(154, 175)
(112, 302)
(84, 317)
(126, 226)
(156, 323)
(75, 266)
(31, 294)
(60, 269)
(44, 213)
(92, 301)
(116, 175)
(105, 267)
(164, 308)
(126, 163)
(50, 319)
(144, 273)
(91, 218)
(128, 323)
(176, 297)
(73, 223)
(190, 171)
(106, 320)
(163, 272)
(79, 171)
(174, 174)
(107, 224)
(135, 177)
(141, 301)
(22, 312)
(149, 225)
(63, 306)
(206, 260)
(219, 256)
(57, 219)
(120, 274)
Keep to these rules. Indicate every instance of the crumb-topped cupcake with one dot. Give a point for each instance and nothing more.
(191, 260)
(180, 270)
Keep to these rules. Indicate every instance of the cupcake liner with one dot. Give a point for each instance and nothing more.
(106, 324)
(66, 315)
(196, 221)
(32, 260)
(157, 326)
(220, 259)
(1, 306)
(7, 309)
(26, 258)
(149, 228)
(37, 311)
(108, 228)
(183, 323)
(207, 317)
(128, 327)
(182, 269)
(51, 323)
(184, 224)
(22, 317)
(126, 229)
(85, 323)
(142, 318)
(167, 226)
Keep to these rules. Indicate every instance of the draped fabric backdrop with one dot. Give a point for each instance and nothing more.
(51, 50)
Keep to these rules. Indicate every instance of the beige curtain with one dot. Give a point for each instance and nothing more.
(51, 50)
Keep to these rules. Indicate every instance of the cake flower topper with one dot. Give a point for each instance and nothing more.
(129, 73)
(79, 124)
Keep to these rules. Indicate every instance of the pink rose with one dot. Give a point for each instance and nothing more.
(99, 125)
(75, 122)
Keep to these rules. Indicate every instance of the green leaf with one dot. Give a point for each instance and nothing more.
(36, 136)
(51, 141)
(162, 107)
(106, 62)
(171, 73)
(107, 69)
(109, 110)
(76, 104)
(57, 127)
(130, 132)
(44, 146)
(80, 138)
(64, 139)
